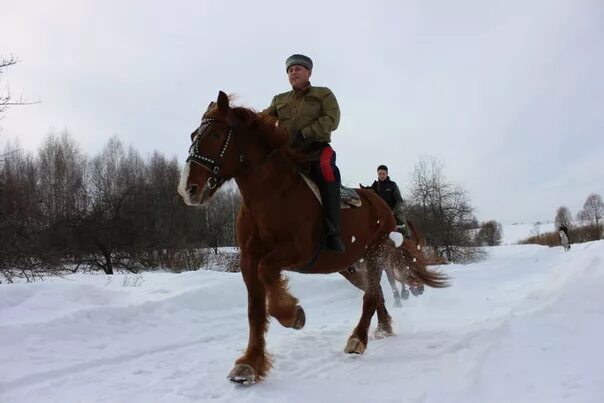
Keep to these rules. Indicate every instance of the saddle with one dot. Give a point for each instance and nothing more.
(348, 197)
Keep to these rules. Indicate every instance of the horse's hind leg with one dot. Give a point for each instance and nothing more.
(255, 363)
(404, 292)
(392, 281)
(357, 342)
(384, 327)
(358, 279)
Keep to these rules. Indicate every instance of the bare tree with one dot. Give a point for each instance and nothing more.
(443, 210)
(592, 213)
(62, 170)
(220, 217)
(108, 233)
(5, 96)
(490, 234)
(593, 209)
(6, 100)
(5, 93)
(563, 217)
(23, 250)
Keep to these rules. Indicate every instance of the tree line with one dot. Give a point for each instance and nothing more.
(61, 209)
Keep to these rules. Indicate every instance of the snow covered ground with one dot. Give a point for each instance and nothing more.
(526, 325)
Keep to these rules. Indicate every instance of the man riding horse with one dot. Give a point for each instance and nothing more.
(389, 191)
(279, 225)
(310, 114)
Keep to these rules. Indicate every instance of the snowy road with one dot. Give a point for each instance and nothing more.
(526, 325)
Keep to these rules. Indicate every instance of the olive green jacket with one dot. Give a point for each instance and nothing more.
(314, 111)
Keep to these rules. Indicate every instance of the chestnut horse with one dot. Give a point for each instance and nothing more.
(280, 227)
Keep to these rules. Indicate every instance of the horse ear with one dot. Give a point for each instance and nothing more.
(210, 106)
(223, 102)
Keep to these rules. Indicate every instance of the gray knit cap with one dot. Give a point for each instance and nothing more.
(299, 60)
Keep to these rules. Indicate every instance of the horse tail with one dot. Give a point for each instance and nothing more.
(420, 241)
(410, 264)
(416, 264)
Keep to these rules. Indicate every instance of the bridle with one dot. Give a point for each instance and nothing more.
(212, 165)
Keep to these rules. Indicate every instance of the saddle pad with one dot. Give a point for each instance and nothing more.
(349, 197)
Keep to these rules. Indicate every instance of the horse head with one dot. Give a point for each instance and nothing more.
(214, 158)
(229, 141)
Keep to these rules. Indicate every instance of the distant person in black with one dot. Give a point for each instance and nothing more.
(389, 191)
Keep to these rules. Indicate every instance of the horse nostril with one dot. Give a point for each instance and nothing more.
(193, 189)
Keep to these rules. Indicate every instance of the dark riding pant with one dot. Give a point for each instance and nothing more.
(326, 175)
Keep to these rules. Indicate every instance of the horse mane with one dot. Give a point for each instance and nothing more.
(266, 127)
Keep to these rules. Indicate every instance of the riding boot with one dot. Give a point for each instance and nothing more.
(330, 194)
(402, 224)
(403, 229)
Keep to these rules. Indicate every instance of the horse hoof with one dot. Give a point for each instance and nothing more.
(243, 374)
(355, 346)
(381, 332)
(417, 291)
(300, 318)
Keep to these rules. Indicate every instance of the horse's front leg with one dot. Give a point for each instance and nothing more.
(281, 304)
(384, 327)
(392, 281)
(255, 363)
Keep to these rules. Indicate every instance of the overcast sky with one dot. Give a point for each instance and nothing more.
(508, 94)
